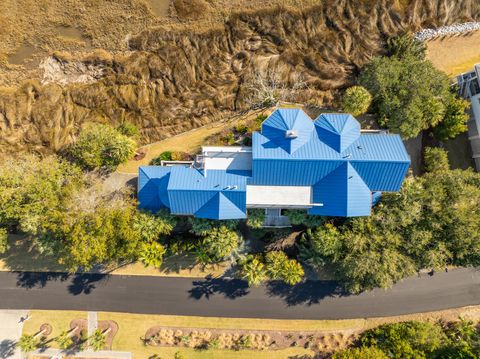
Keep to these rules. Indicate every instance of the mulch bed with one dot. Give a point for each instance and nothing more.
(319, 341)
(46, 329)
(104, 325)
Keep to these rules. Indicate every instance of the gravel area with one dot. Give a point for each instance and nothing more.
(427, 34)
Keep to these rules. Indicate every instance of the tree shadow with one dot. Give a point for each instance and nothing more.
(38, 279)
(230, 288)
(7, 348)
(308, 292)
(85, 283)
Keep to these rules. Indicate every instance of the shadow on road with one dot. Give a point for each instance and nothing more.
(7, 348)
(85, 283)
(230, 288)
(309, 292)
(38, 279)
(80, 283)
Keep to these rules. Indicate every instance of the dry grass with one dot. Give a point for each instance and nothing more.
(455, 54)
(185, 73)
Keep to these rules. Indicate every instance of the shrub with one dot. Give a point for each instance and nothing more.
(279, 267)
(247, 141)
(3, 240)
(436, 160)
(181, 156)
(406, 45)
(301, 217)
(128, 129)
(406, 339)
(454, 121)
(356, 100)
(241, 128)
(218, 244)
(101, 146)
(252, 269)
(255, 218)
(151, 227)
(360, 353)
(151, 254)
(164, 156)
(203, 226)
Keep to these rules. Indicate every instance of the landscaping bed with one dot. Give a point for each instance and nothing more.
(204, 339)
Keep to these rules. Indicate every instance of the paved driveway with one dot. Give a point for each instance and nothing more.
(10, 332)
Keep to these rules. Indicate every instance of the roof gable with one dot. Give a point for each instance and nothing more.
(220, 207)
(288, 129)
(337, 130)
(342, 193)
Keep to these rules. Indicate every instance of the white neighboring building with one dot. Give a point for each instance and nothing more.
(469, 83)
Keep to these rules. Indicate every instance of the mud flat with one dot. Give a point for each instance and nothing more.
(159, 7)
(22, 54)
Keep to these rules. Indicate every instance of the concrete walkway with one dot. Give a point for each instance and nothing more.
(92, 323)
(102, 354)
(10, 331)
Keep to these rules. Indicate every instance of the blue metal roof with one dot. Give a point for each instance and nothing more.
(152, 187)
(338, 130)
(218, 195)
(342, 193)
(281, 121)
(368, 147)
(343, 166)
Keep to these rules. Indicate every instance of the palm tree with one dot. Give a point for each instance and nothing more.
(64, 340)
(97, 340)
(27, 343)
(253, 271)
(151, 254)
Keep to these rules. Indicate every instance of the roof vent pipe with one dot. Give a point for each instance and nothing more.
(291, 134)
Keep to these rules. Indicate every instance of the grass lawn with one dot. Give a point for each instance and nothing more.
(59, 320)
(188, 353)
(175, 266)
(455, 54)
(190, 142)
(132, 327)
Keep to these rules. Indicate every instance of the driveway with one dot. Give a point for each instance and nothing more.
(10, 331)
(233, 298)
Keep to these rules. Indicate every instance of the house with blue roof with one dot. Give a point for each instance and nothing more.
(328, 167)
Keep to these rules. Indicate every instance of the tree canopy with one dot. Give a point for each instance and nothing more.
(413, 339)
(102, 146)
(436, 160)
(218, 244)
(356, 100)
(455, 119)
(409, 95)
(432, 222)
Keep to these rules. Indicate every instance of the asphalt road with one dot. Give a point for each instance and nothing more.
(232, 298)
